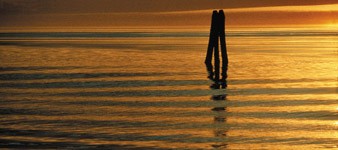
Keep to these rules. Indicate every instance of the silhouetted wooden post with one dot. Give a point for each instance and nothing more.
(211, 45)
(216, 48)
(217, 32)
(225, 60)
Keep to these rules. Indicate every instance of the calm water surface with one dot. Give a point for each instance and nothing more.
(148, 90)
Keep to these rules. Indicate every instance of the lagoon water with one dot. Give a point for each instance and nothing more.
(148, 89)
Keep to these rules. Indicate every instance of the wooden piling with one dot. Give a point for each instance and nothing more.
(217, 32)
(225, 60)
(211, 44)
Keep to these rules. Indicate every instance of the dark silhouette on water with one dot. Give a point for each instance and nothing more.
(220, 119)
(217, 33)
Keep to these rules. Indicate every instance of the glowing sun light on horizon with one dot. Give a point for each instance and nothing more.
(333, 25)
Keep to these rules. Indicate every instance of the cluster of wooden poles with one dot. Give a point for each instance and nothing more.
(217, 35)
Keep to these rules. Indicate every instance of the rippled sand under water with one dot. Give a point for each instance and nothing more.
(151, 92)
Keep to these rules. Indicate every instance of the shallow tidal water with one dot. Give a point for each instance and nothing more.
(149, 90)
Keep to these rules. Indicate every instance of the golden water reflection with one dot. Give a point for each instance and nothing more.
(153, 93)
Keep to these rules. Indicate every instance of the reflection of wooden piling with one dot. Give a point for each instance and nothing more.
(217, 31)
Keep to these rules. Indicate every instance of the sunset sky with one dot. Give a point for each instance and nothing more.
(133, 13)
